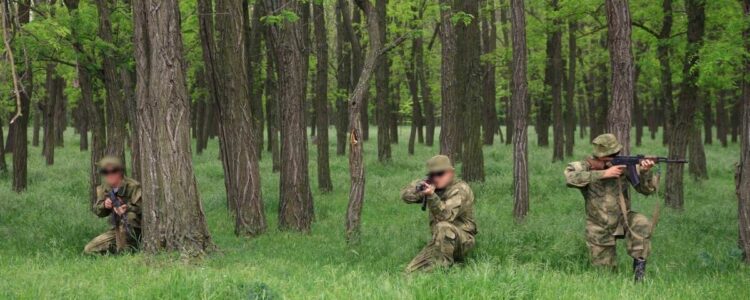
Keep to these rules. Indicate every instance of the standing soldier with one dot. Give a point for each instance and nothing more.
(125, 210)
(605, 189)
(451, 205)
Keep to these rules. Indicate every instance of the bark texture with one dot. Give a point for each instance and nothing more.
(173, 215)
(450, 128)
(743, 169)
(321, 96)
(469, 69)
(520, 96)
(116, 115)
(621, 59)
(287, 43)
(684, 120)
(238, 141)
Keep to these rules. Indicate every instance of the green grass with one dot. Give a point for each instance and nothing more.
(43, 231)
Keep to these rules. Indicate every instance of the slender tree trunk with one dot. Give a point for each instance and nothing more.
(321, 96)
(61, 117)
(708, 122)
(356, 151)
(295, 201)
(423, 77)
(116, 115)
(50, 106)
(343, 77)
(504, 12)
(696, 153)
(450, 128)
(394, 114)
(173, 215)
(489, 89)
(413, 81)
(743, 168)
(238, 145)
(469, 68)
(358, 56)
(254, 57)
(621, 59)
(570, 89)
(663, 53)
(685, 117)
(556, 75)
(520, 105)
(637, 108)
(3, 164)
(37, 124)
(736, 116)
(83, 127)
(382, 97)
(272, 107)
(21, 124)
(722, 120)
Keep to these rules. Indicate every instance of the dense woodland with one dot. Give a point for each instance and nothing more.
(155, 80)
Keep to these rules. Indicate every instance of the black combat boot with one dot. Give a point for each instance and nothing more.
(639, 269)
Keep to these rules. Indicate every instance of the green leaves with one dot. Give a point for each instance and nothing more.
(461, 17)
(284, 16)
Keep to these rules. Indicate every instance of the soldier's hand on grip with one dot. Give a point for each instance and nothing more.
(614, 171)
(108, 203)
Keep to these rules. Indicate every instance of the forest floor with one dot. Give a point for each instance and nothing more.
(43, 231)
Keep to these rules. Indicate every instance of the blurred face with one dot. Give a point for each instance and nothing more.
(112, 176)
(442, 179)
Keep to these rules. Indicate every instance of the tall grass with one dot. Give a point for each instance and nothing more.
(43, 231)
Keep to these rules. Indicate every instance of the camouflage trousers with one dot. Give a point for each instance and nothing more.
(106, 243)
(449, 244)
(602, 241)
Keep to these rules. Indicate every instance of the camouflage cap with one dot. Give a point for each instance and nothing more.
(439, 163)
(110, 162)
(606, 145)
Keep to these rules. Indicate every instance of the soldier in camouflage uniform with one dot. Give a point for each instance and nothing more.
(605, 189)
(451, 207)
(118, 238)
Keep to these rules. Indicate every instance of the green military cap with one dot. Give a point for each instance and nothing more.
(110, 162)
(606, 145)
(439, 163)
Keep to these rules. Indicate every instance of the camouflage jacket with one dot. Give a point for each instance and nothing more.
(130, 193)
(453, 204)
(602, 195)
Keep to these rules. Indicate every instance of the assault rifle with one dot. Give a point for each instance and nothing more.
(421, 186)
(122, 228)
(631, 162)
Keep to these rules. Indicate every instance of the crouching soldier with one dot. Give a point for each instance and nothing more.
(118, 197)
(451, 207)
(608, 215)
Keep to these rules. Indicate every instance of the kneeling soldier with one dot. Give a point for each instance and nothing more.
(119, 197)
(451, 205)
(608, 215)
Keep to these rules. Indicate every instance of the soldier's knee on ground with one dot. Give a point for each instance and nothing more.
(100, 244)
(445, 237)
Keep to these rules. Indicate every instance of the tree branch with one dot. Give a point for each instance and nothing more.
(645, 28)
(11, 61)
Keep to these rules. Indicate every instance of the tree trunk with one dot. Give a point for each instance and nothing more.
(423, 76)
(394, 113)
(83, 128)
(254, 57)
(343, 77)
(520, 105)
(272, 107)
(450, 128)
(3, 164)
(555, 80)
(743, 169)
(37, 124)
(489, 88)
(685, 117)
(115, 118)
(173, 215)
(61, 117)
(382, 98)
(697, 156)
(321, 97)
(21, 124)
(708, 122)
(469, 68)
(570, 89)
(295, 201)
(621, 59)
(722, 120)
(50, 107)
(504, 12)
(637, 108)
(413, 81)
(736, 122)
(238, 142)
(356, 163)
(663, 53)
